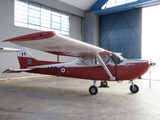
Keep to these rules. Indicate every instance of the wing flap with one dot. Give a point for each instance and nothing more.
(16, 70)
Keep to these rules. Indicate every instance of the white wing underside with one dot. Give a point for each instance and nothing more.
(57, 44)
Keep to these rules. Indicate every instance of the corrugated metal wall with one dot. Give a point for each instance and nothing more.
(121, 32)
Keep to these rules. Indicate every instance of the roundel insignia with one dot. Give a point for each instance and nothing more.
(29, 61)
(63, 70)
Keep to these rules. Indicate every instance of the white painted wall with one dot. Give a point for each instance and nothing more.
(8, 30)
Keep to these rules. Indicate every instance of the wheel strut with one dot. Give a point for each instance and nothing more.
(132, 83)
(94, 82)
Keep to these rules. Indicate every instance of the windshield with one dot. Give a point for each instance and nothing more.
(117, 58)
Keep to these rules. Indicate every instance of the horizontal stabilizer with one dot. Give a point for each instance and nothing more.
(5, 49)
(16, 70)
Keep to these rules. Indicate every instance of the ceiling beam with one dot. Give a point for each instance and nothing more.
(97, 5)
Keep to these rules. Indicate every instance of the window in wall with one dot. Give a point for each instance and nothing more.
(37, 17)
(113, 3)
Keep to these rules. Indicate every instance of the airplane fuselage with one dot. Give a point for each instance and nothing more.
(127, 70)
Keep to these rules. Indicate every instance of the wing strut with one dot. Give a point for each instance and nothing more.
(104, 66)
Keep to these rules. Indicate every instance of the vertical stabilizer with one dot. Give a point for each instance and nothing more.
(25, 58)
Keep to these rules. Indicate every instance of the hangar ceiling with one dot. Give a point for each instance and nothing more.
(95, 5)
(82, 4)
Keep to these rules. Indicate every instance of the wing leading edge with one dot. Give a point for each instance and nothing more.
(51, 42)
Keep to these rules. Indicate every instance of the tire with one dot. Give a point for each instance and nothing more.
(103, 84)
(93, 90)
(106, 84)
(134, 89)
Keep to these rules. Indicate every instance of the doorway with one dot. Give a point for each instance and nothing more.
(151, 39)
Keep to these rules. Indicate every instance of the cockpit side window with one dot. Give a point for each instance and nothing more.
(83, 62)
(87, 61)
(79, 62)
(105, 58)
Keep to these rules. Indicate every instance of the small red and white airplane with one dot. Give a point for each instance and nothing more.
(92, 63)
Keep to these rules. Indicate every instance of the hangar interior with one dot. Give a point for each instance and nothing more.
(125, 26)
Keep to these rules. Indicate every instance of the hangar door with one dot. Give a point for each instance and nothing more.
(121, 32)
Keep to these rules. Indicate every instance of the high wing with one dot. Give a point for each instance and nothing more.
(5, 49)
(51, 42)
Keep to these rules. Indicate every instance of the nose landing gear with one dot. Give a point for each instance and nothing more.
(134, 88)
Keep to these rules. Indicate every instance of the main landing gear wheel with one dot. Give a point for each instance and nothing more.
(134, 88)
(93, 90)
(103, 84)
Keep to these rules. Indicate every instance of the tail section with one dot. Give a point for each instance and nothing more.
(26, 59)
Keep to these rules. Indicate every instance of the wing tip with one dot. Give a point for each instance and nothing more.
(32, 36)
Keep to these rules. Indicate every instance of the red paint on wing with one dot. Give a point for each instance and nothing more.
(33, 36)
(106, 52)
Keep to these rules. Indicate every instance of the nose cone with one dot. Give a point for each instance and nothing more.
(143, 66)
(137, 68)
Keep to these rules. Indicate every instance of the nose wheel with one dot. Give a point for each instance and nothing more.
(134, 88)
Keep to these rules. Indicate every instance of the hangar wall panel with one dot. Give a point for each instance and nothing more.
(121, 32)
(91, 28)
(8, 30)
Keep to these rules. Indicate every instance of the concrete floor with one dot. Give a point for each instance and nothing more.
(52, 98)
